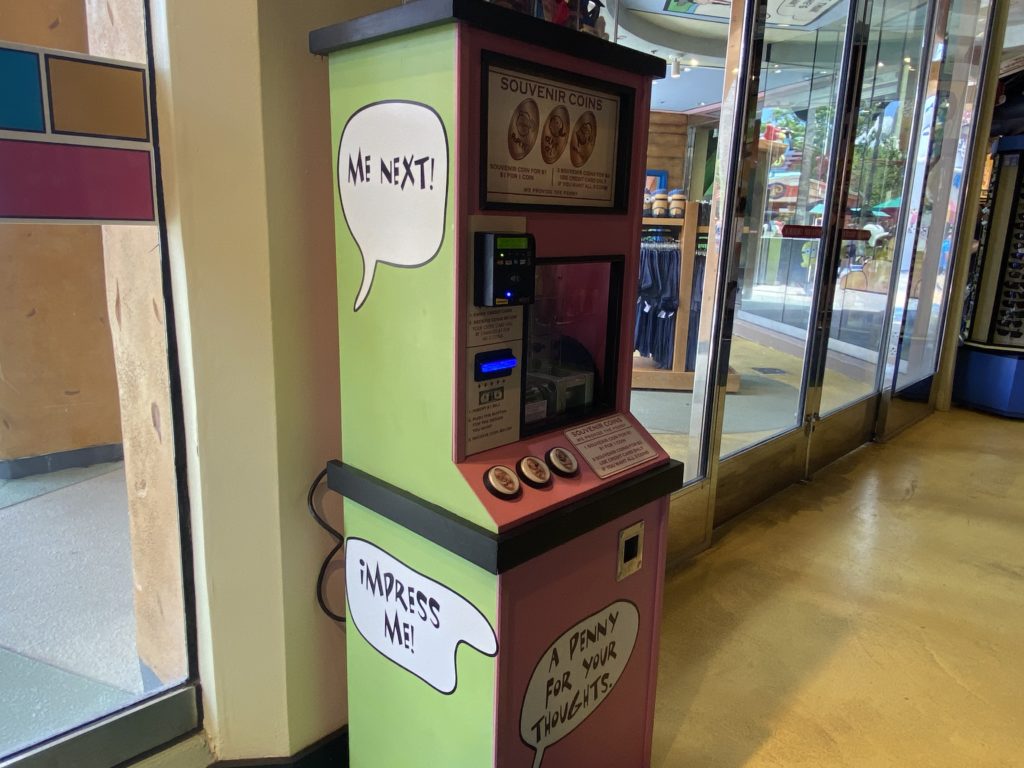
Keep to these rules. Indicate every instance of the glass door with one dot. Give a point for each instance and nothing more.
(796, 88)
(847, 364)
(842, 133)
(933, 191)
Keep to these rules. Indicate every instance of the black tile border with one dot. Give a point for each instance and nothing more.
(500, 552)
(12, 469)
(329, 752)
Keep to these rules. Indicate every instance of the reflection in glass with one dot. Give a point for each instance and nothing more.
(936, 188)
(777, 264)
(882, 139)
(92, 616)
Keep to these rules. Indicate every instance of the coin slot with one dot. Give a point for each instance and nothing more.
(631, 551)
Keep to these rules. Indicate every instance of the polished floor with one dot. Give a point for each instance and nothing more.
(874, 617)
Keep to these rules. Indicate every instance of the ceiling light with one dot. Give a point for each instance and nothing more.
(906, 59)
(694, 62)
(686, 69)
(881, 64)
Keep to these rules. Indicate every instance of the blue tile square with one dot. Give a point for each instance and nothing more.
(21, 95)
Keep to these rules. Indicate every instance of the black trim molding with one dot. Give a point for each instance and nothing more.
(330, 752)
(500, 552)
(12, 469)
(492, 18)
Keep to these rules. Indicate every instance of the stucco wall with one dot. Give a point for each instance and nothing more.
(243, 115)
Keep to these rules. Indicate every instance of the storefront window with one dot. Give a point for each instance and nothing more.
(92, 603)
(936, 186)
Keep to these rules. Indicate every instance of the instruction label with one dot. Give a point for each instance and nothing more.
(489, 325)
(492, 406)
(610, 445)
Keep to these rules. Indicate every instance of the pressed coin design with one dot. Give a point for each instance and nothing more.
(502, 482)
(563, 462)
(555, 135)
(584, 137)
(523, 128)
(534, 471)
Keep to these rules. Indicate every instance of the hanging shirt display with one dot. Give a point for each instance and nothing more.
(657, 301)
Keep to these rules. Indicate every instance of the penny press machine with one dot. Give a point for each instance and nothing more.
(505, 514)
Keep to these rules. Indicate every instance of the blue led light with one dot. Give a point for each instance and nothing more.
(508, 294)
(504, 364)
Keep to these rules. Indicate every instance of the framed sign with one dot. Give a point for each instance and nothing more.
(552, 139)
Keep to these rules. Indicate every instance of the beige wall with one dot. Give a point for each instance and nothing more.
(48, 23)
(246, 151)
(57, 386)
(58, 391)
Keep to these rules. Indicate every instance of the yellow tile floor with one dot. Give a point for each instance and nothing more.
(874, 617)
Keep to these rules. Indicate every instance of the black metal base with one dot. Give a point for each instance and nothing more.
(330, 752)
(498, 552)
(12, 469)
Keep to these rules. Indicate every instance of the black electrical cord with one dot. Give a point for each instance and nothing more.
(338, 537)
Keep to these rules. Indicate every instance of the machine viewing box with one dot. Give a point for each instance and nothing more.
(498, 493)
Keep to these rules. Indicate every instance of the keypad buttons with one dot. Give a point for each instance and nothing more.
(562, 462)
(502, 482)
(534, 472)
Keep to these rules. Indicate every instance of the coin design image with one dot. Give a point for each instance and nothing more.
(502, 482)
(555, 135)
(562, 462)
(534, 471)
(523, 129)
(584, 136)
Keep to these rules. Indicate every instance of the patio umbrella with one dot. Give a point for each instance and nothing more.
(878, 214)
(820, 208)
(895, 202)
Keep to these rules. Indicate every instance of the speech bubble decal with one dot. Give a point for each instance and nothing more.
(576, 674)
(393, 166)
(409, 618)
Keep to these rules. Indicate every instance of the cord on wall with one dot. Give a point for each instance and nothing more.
(339, 545)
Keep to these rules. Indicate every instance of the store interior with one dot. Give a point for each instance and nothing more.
(799, 82)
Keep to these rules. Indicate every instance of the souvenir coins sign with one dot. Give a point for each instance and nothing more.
(550, 141)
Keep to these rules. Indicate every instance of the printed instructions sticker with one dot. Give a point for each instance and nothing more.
(409, 618)
(610, 445)
(393, 166)
(576, 674)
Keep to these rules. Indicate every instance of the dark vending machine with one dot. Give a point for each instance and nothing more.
(990, 363)
(505, 514)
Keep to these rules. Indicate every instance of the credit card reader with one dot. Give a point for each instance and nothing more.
(504, 269)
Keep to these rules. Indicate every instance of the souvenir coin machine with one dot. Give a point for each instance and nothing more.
(505, 514)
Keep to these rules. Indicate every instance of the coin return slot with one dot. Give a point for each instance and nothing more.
(631, 550)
